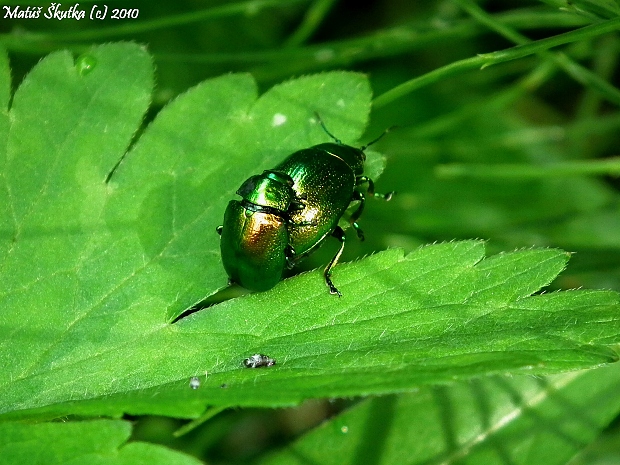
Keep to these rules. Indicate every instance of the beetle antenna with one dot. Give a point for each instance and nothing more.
(378, 138)
(338, 141)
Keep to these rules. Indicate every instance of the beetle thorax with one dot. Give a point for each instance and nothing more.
(352, 156)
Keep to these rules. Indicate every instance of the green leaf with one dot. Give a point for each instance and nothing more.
(493, 420)
(93, 273)
(58, 151)
(93, 442)
(436, 315)
(5, 90)
(170, 193)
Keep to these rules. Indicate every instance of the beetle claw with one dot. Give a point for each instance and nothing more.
(333, 290)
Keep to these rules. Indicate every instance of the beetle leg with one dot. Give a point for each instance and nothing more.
(219, 230)
(357, 195)
(358, 230)
(371, 188)
(365, 180)
(290, 254)
(338, 233)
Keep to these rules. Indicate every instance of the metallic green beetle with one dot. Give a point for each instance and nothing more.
(255, 235)
(329, 175)
(288, 212)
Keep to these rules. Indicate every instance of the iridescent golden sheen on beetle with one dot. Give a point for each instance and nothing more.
(255, 237)
(288, 212)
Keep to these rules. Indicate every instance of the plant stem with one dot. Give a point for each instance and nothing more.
(488, 59)
(572, 68)
(605, 167)
(312, 20)
(210, 413)
(519, 51)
